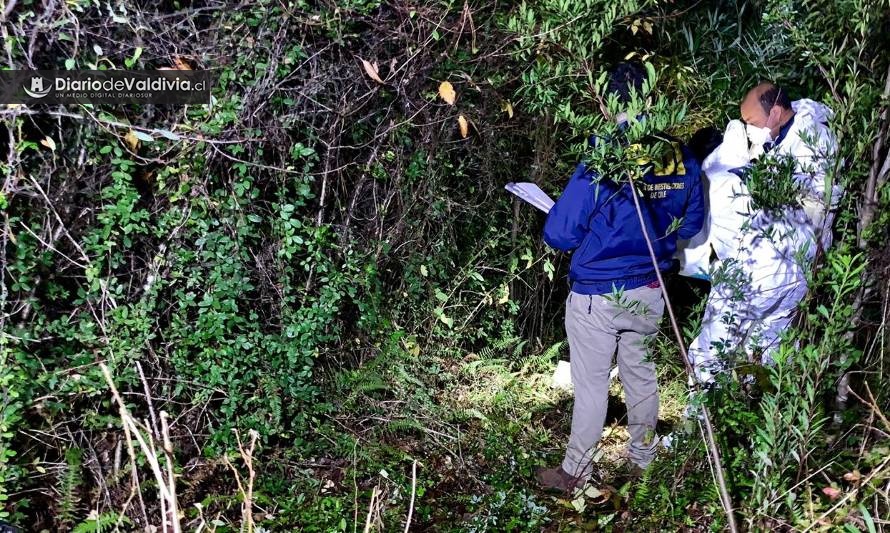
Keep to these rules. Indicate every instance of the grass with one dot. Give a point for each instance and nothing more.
(479, 427)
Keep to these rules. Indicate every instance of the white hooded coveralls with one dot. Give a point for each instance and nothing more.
(759, 277)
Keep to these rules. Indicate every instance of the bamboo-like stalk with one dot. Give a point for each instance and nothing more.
(166, 487)
(713, 451)
(413, 495)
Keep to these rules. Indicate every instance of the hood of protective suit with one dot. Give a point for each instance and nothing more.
(810, 111)
(730, 201)
(810, 126)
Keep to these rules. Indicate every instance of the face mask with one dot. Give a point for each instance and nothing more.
(758, 136)
(761, 136)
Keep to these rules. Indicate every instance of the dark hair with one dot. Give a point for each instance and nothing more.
(623, 77)
(774, 95)
(705, 141)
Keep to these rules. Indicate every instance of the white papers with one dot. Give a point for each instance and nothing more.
(532, 194)
(562, 376)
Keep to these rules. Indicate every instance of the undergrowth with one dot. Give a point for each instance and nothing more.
(325, 255)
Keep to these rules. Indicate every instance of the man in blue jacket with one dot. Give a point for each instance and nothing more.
(615, 302)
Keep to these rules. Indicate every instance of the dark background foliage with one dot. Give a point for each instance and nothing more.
(325, 259)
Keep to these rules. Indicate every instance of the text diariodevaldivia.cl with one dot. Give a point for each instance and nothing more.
(72, 85)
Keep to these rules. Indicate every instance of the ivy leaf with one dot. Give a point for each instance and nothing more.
(443, 318)
(504, 295)
(549, 269)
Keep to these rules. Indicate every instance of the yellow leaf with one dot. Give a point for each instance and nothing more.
(131, 140)
(648, 27)
(51, 144)
(446, 91)
(464, 126)
(371, 70)
(411, 347)
(508, 108)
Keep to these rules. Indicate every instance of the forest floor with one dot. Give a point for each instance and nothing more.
(478, 430)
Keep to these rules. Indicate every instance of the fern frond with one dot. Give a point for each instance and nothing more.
(101, 523)
(69, 484)
(404, 425)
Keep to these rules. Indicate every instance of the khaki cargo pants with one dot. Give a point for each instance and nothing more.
(600, 327)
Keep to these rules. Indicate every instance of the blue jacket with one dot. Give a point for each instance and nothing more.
(597, 219)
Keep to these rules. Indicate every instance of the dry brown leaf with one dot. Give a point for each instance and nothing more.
(11, 234)
(179, 64)
(831, 492)
(49, 143)
(131, 140)
(853, 476)
(464, 126)
(446, 92)
(371, 70)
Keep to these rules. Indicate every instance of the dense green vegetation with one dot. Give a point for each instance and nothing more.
(322, 261)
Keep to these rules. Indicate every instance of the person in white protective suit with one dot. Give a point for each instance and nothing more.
(759, 278)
